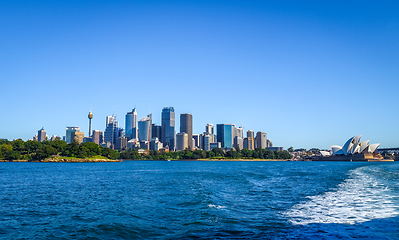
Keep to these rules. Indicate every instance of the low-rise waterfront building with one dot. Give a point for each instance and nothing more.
(215, 145)
(133, 144)
(155, 144)
(274, 149)
(145, 145)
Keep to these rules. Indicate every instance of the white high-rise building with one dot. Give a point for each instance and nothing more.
(261, 140)
(209, 129)
(206, 142)
(240, 132)
(181, 141)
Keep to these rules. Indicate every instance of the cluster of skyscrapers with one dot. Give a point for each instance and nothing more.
(143, 134)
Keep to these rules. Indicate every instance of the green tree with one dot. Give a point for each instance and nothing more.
(164, 156)
(283, 155)
(267, 154)
(200, 153)
(109, 153)
(238, 149)
(210, 154)
(255, 154)
(4, 149)
(44, 152)
(13, 155)
(46, 142)
(246, 153)
(130, 154)
(72, 149)
(32, 146)
(175, 155)
(90, 148)
(233, 154)
(18, 145)
(218, 152)
(290, 149)
(59, 145)
(187, 154)
(83, 152)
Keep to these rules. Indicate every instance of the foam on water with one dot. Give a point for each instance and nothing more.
(216, 206)
(360, 198)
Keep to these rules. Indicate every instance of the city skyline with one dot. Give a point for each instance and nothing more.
(165, 133)
(306, 73)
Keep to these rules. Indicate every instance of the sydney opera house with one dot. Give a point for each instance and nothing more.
(354, 150)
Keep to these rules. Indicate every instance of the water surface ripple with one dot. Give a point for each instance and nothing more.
(210, 200)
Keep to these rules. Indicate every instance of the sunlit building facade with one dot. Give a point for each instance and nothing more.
(68, 133)
(145, 125)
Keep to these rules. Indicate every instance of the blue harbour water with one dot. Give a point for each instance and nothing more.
(206, 200)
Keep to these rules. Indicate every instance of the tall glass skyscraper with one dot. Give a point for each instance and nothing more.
(111, 132)
(131, 124)
(145, 125)
(41, 135)
(156, 131)
(225, 135)
(168, 127)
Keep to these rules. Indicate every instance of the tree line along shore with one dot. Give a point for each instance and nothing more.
(60, 151)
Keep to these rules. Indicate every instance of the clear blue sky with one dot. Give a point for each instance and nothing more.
(308, 73)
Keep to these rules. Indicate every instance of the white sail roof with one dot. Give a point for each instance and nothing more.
(353, 146)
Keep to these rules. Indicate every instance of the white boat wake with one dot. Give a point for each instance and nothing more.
(360, 198)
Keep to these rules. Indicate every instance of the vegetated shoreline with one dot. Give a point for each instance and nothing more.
(94, 160)
(65, 160)
(86, 160)
(214, 160)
